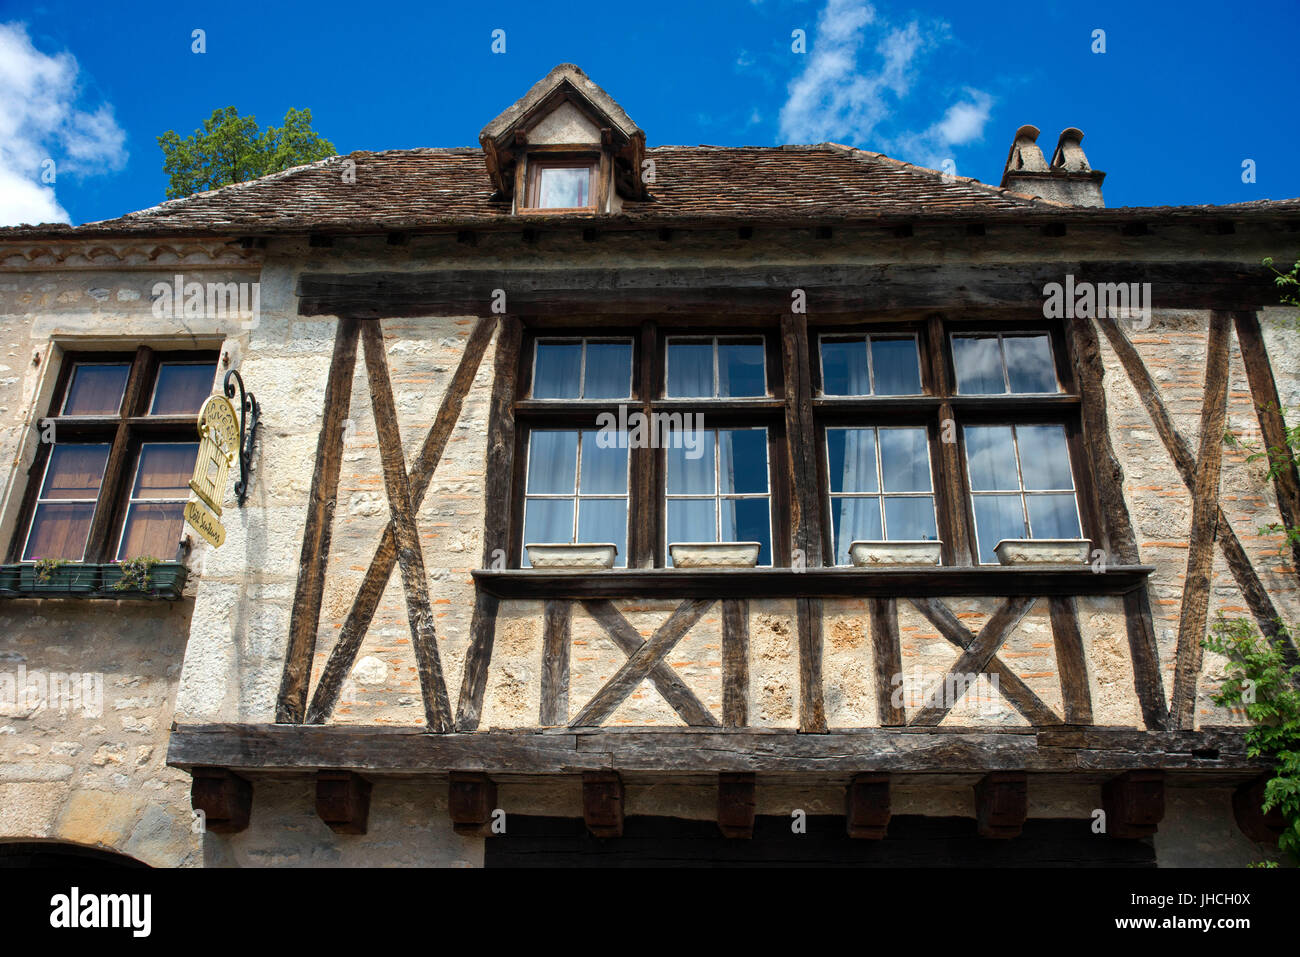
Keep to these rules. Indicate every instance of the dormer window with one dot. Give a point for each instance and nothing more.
(561, 184)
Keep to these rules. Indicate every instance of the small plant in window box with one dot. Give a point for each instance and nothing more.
(144, 576)
(57, 575)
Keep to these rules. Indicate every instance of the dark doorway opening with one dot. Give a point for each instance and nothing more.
(53, 854)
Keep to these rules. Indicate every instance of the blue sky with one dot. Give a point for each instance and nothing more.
(1182, 95)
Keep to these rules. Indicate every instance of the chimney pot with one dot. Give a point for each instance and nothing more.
(1068, 180)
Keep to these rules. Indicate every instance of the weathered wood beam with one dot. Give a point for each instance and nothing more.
(1001, 804)
(496, 528)
(888, 656)
(1134, 803)
(951, 491)
(344, 653)
(304, 617)
(735, 662)
(808, 622)
(1071, 661)
(225, 798)
(343, 801)
(602, 803)
(471, 801)
(410, 555)
(556, 617)
(867, 808)
(1148, 684)
(737, 804)
(801, 453)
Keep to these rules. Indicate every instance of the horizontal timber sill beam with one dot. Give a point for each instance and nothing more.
(713, 290)
(991, 581)
(1218, 753)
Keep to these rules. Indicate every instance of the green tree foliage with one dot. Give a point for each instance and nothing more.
(231, 149)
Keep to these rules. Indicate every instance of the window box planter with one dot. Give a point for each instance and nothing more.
(714, 554)
(8, 580)
(1043, 551)
(166, 579)
(870, 554)
(577, 555)
(70, 579)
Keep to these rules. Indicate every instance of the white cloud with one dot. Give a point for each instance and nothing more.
(839, 98)
(40, 121)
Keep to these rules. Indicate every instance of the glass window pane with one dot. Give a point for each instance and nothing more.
(1053, 516)
(96, 389)
(604, 471)
(604, 520)
(609, 370)
(740, 369)
(905, 460)
(742, 461)
(564, 188)
(182, 387)
(59, 530)
(979, 365)
(997, 517)
(1044, 456)
(746, 520)
(852, 454)
(1029, 364)
(557, 373)
(896, 366)
(690, 370)
(690, 464)
(910, 519)
(991, 456)
(75, 471)
(844, 367)
(547, 520)
(691, 520)
(152, 530)
(552, 463)
(164, 469)
(854, 520)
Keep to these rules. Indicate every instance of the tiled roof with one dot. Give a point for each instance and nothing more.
(409, 189)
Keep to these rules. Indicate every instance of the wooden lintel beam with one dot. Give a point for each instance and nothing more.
(1001, 804)
(1134, 803)
(225, 798)
(343, 801)
(602, 803)
(867, 807)
(471, 801)
(737, 804)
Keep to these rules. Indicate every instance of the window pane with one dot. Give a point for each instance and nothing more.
(905, 460)
(164, 470)
(564, 188)
(746, 520)
(557, 373)
(609, 370)
(997, 517)
(991, 455)
(844, 367)
(1029, 364)
(75, 471)
(690, 369)
(1053, 516)
(910, 518)
(604, 520)
(854, 520)
(742, 462)
(691, 520)
(182, 387)
(979, 365)
(690, 465)
(1044, 456)
(604, 471)
(897, 367)
(152, 530)
(547, 520)
(96, 389)
(740, 369)
(852, 455)
(59, 530)
(552, 462)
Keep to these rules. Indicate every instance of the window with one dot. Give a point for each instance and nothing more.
(716, 368)
(1000, 364)
(114, 480)
(561, 184)
(576, 490)
(717, 489)
(582, 369)
(880, 486)
(870, 365)
(1021, 484)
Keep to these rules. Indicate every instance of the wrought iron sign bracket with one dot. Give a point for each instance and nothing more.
(249, 412)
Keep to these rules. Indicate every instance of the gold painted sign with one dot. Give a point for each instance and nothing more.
(218, 445)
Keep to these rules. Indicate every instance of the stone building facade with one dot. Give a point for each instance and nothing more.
(370, 669)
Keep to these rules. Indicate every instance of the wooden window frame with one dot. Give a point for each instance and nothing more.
(124, 432)
(540, 159)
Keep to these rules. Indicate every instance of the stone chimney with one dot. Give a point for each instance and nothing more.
(1069, 179)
